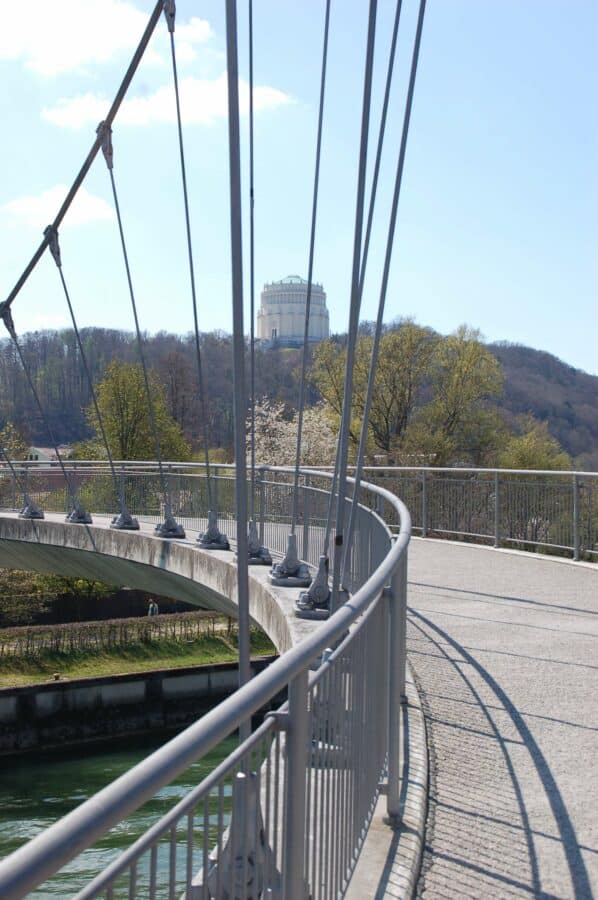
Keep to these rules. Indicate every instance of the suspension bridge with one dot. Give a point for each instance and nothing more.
(455, 775)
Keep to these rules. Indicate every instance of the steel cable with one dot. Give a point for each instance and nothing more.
(381, 134)
(239, 398)
(384, 284)
(202, 399)
(19, 482)
(355, 303)
(79, 511)
(251, 269)
(108, 156)
(123, 88)
(310, 268)
(53, 245)
(376, 172)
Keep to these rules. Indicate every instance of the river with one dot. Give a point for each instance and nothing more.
(37, 789)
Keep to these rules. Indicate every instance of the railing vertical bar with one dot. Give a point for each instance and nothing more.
(133, 881)
(220, 833)
(206, 843)
(172, 864)
(275, 812)
(323, 762)
(153, 867)
(189, 854)
(496, 510)
(295, 766)
(306, 515)
(308, 794)
(576, 543)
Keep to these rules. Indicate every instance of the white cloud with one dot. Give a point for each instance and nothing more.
(52, 38)
(203, 101)
(38, 211)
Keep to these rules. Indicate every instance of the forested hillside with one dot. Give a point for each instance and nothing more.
(564, 397)
(535, 383)
(55, 364)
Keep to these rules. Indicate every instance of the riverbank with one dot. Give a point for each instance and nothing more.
(69, 712)
(167, 653)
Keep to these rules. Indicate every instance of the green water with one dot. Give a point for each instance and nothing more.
(36, 790)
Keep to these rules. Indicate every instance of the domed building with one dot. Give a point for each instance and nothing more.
(281, 317)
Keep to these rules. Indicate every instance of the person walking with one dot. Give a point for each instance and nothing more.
(152, 609)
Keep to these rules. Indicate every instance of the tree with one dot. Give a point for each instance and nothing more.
(123, 407)
(276, 435)
(404, 360)
(459, 423)
(13, 442)
(535, 449)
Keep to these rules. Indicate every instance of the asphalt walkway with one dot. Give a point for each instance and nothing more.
(504, 649)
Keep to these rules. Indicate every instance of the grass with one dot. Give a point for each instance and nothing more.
(123, 660)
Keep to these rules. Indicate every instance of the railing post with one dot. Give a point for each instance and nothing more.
(496, 510)
(576, 543)
(306, 515)
(396, 688)
(261, 491)
(122, 485)
(293, 876)
(424, 504)
(215, 473)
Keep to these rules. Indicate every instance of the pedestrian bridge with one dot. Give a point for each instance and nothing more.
(481, 758)
(138, 559)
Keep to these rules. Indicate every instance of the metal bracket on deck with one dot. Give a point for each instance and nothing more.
(213, 538)
(79, 515)
(240, 871)
(258, 555)
(169, 528)
(291, 572)
(31, 510)
(315, 603)
(124, 521)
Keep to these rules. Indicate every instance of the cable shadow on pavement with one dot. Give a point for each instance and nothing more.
(568, 840)
(467, 591)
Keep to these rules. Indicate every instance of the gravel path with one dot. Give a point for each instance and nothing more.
(504, 648)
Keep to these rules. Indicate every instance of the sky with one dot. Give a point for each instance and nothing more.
(498, 218)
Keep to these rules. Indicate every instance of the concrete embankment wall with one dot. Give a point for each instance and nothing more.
(68, 712)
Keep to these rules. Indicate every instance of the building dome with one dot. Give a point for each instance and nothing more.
(281, 317)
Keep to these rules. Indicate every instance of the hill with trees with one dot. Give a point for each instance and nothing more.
(539, 384)
(449, 399)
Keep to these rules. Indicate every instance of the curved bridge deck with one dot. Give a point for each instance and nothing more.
(504, 648)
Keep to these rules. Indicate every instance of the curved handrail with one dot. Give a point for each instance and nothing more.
(309, 470)
(45, 854)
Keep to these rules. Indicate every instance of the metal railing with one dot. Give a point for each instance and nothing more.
(286, 813)
(550, 511)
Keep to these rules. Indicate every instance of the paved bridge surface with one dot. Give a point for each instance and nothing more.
(504, 649)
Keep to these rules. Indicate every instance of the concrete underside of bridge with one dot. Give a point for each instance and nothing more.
(178, 569)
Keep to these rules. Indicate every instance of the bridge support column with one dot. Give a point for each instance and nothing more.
(397, 594)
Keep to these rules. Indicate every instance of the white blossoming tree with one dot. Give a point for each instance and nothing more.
(276, 435)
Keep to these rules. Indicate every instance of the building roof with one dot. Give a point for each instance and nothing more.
(293, 279)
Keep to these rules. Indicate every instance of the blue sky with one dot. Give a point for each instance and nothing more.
(498, 223)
